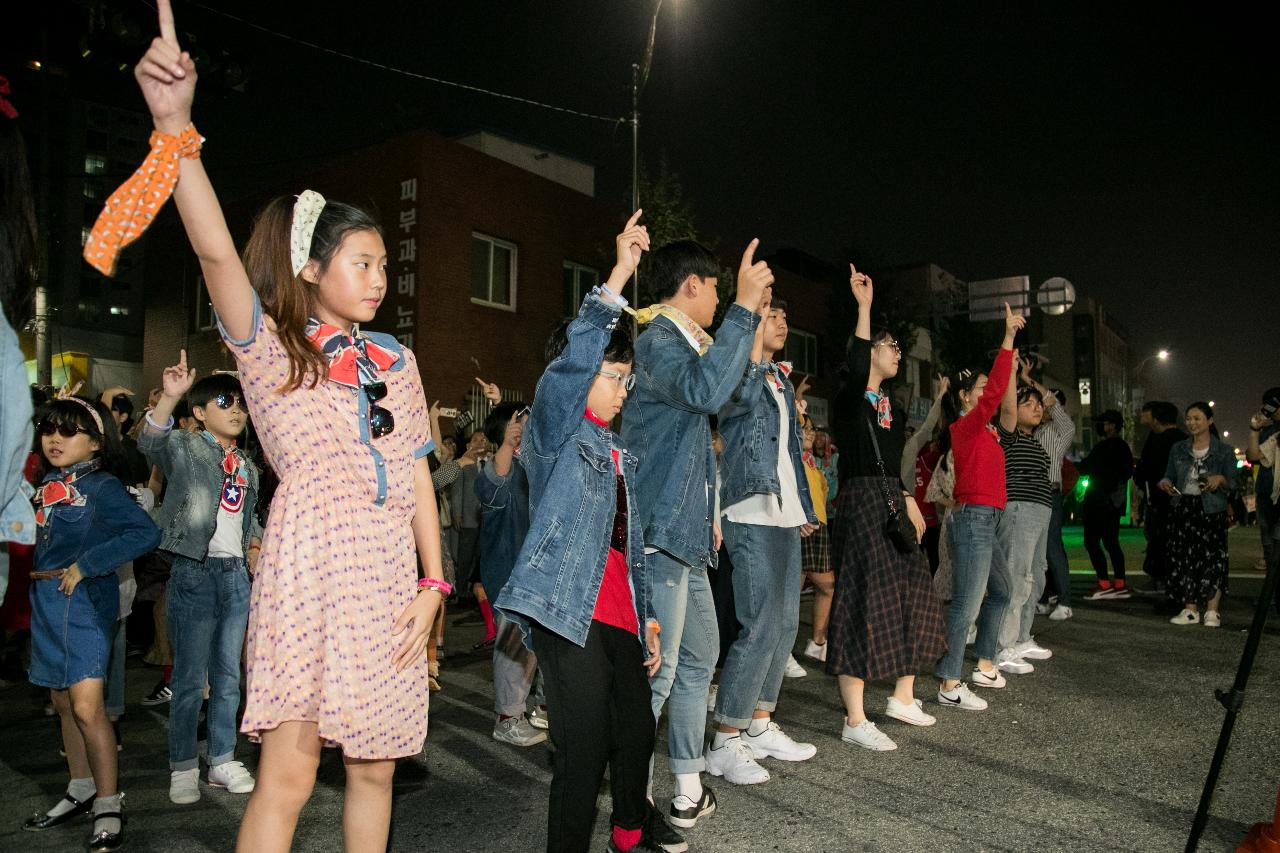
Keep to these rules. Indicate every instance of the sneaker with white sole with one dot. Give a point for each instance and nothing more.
(1102, 593)
(184, 786)
(161, 694)
(1212, 619)
(1186, 617)
(735, 762)
(794, 670)
(773, 742)
(866, 735)
(518, 731)
(913, 713)
(538, 718)
(233, 776)
(992, 679)
(1042, 608)
(1009, 661)
(1031, 650)
(816, 652)
(661, 834)
(685, 813)
(1061, 613)
(961, 697)
(1121, 593)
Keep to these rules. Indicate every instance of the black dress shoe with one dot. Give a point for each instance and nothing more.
(103, 841)
(35, 823)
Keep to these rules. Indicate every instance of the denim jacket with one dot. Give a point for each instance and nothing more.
(665, 423)
(749, 427)
(1221, 460)
(17, 519)
(504, 521)
(572, 493)
(107, 531)
(192, 467)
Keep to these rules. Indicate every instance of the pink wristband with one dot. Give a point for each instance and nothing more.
(442, 587)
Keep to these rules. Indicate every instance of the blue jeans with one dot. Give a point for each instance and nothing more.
(766, 595)
(515, 670)
(1021, 533)
(207, 611)
(680, 598)
(971, 532)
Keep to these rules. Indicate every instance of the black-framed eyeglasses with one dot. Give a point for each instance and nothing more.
(628, 381)
(227, 399)
(66, 429)
(381, 421)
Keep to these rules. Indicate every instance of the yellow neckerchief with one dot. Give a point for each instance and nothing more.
(647, 315)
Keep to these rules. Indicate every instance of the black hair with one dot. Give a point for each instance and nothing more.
(675, 262)
(1271, 396)
(1061, 395)
(952, 408)
(1025, 392)
(18, 254)
(495, 426)
(1161, 411)
(124, 405)
(108, 437)
(211, 386)
(619, 350)
(1207, 410)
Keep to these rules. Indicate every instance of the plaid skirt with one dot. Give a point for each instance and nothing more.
(886, 619)
(815, 551)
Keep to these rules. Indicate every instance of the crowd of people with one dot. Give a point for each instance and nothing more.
(620, 576)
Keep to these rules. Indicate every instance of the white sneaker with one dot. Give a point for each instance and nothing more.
(972, 636)
(1042, 609)
(711, 698)
(1009, 661)
(961, 697)
(184, 786)
(913, 713)
(773, 742)
(735, 763)
(1031, 650)
(1212, 619)
(233, 776)
(866, 735)
(987, 679)
(794, 670)
(1186, 617)
(538, 718)
(816, 652)
(1061, 613)
(518, 731)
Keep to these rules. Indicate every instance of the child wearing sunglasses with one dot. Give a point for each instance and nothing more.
(579, 587)
(211, 537)
(87, 526)
(338, 620)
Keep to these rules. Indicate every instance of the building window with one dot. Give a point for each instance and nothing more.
(802, 351)
(94, 164)
(493, 272)
(578, 281)
(204, 307)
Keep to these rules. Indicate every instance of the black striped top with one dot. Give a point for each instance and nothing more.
(1026, 468)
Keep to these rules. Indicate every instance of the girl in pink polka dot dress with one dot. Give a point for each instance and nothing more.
(338, 620)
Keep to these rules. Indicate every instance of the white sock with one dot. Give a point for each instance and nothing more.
(689, 785)
(81, 789)
(103, 805)
(721, 738)
(759, 725)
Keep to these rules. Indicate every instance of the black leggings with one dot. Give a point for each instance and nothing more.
(1102, 530)
(600, 714)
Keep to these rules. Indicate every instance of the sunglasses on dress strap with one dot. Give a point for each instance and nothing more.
(381, 421)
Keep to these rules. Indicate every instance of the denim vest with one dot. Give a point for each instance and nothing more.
(193, 473)
(749, 426)
(504, 522)
(572, 493)
(17, 519)
(109, 530)
(1221, 460)
(665, 424)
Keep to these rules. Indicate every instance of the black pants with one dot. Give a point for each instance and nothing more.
(1156, 563)
(1102, 530)
(598, 704)
(721, 581)
(930, 544)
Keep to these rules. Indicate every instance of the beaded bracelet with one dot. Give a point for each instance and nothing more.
(443, 587)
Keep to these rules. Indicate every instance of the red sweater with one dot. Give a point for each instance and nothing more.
(979, 459)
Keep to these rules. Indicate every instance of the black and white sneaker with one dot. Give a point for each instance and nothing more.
(685, 812)
(661, 835)
(159, 696)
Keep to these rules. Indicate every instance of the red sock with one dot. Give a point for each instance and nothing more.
(486, 610)
(1104, 584)
(1119, 583)
(625, 839)
(168, 673)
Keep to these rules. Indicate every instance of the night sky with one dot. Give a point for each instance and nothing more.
(1119, 145)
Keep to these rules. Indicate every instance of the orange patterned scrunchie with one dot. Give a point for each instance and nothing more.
(133, 207)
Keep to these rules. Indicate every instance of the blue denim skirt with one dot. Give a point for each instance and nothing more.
(71, 634)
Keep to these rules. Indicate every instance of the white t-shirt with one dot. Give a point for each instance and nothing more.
(767, 510)
(228, 535)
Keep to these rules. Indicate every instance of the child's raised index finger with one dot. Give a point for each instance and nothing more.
(168, 31)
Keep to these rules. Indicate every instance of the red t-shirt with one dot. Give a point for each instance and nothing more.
(979, 459)
(925, 463)
(614, 604)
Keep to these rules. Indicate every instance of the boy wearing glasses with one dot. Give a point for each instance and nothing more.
(209, 530)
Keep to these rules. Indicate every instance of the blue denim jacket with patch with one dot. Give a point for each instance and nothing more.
(665, 424)
(572, 493)
(749, 426)
(1221, 460)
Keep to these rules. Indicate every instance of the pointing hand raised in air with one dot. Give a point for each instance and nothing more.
(754, 278)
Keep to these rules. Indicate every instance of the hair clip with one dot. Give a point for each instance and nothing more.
(306, 213)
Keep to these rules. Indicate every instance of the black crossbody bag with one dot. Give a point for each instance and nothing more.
(898, 527)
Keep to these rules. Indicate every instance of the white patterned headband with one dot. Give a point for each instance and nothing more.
(306, 213)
